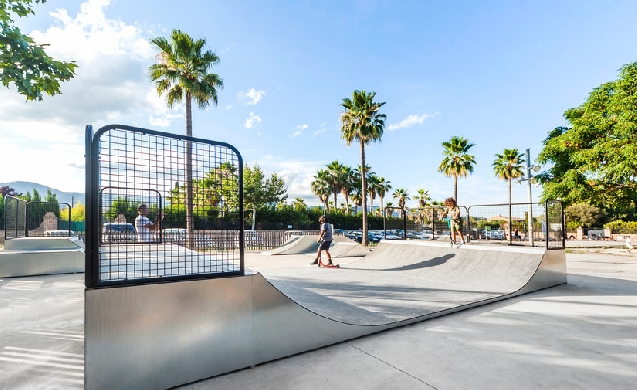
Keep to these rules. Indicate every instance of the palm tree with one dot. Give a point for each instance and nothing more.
(299, 204)
(372, 189)
(356, 198)
(362, 122)
(321, 187)
(402, 196)
(349, 181)
(422, 198)
(336, 179)
(457, 161)
(182, 74)
(508, 166)
(382, 187)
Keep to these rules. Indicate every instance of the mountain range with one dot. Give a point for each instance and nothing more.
(63, 197)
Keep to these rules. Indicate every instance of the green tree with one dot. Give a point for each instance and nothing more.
(362, 122)
(382, 188)
(298, 204)
(582, 214)
(321, 186)
(259, 191)
(508, 166)
(349, 181)
(24, 63)
(182, 74)
(457, 161)
(593, 159)
(422, 198)
(336, 179)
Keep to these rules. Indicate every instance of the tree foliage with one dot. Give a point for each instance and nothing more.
(23, 63)
(582, 214)
(362, 122)
(457, 161)
(259, 190)
(593, 160)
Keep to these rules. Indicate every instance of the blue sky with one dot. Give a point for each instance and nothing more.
(500, 73)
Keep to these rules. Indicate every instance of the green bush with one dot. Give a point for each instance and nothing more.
(621, 227)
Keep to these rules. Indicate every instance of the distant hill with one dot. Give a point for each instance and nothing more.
(63, 197)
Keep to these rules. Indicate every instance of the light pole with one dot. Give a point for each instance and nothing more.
(530, 179)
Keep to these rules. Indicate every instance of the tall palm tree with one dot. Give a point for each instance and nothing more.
(349, 181)
(382, 187)
(508, 166)
(457, 161)
(402, 196)
(321, 187)
(362, 122)
(422, 198)
(372, 189)
(336, 179)
(182, 74)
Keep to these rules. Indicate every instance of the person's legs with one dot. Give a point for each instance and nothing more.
(329, 257)
(318, 256)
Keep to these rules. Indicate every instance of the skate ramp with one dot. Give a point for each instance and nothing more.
(28, 256)
(341, 247)
(293, 308)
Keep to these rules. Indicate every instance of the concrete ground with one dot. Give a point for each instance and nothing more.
(582, 335)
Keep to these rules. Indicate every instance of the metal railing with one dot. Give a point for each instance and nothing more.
(35, 219)
(530, 224)
(15, 217)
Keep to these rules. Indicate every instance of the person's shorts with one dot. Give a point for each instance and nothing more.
(454, 225)
(325, 245)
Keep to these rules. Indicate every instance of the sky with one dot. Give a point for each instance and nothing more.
(499, 73)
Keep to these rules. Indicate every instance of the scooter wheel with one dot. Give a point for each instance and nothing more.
(338, 266)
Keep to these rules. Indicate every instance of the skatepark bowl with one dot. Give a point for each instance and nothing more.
(140, 336)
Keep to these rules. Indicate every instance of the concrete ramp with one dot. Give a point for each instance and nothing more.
(341, 247)
(293, 308)
(41, 255)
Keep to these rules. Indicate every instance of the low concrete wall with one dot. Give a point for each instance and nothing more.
(40, 256)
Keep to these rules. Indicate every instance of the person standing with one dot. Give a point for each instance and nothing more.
(143, 225)
(325, 241)
(629, 244)
(453, 213)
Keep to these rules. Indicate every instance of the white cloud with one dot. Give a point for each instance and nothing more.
(299, 131)
(251, 97)
(323, 129)
(251, 120)
(111, 86)
(410, 121)
(298, 175)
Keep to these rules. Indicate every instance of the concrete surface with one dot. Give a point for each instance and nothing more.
(582, 335)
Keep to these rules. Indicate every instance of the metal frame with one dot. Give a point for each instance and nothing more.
(93, 207)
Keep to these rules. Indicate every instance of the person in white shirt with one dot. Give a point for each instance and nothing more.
(629, 245)
(143, 225)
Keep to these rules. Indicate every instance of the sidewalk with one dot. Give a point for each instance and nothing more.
(582, 335)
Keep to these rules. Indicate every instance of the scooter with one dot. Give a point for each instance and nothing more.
(327, 265)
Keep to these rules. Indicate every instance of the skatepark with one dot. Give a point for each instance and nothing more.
(151, 313)
(578, 333)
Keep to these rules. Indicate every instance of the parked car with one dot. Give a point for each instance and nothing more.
(59, 233)
(118, 232)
